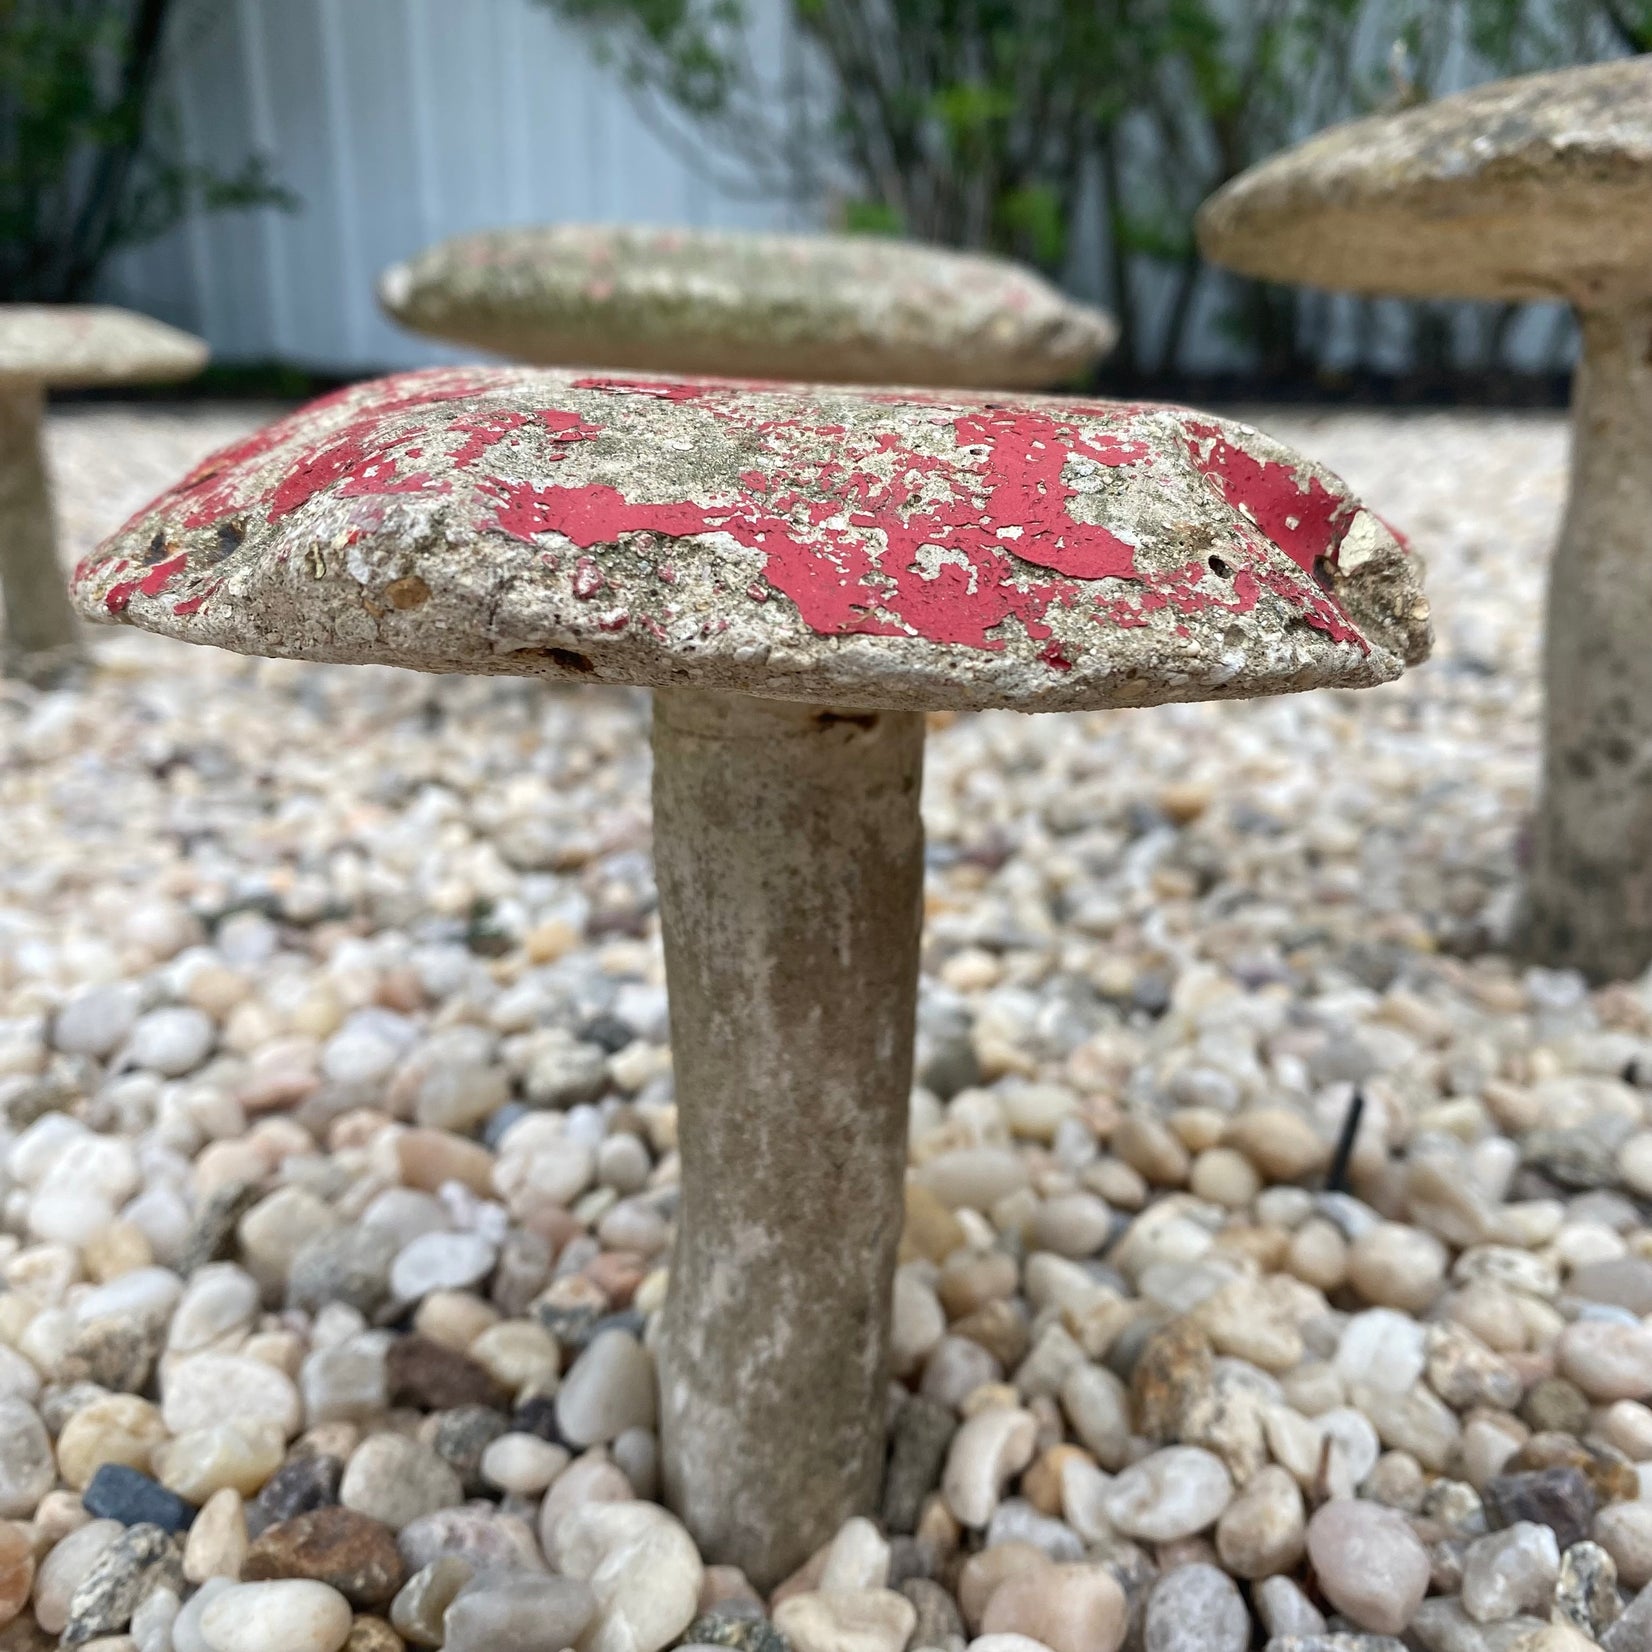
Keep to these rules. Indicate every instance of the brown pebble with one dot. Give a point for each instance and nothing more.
(931, 1231)
(427, 1158)
(352, 1552)
(617, 1273)
(16, 1569)
(1000, 1328)
(982, 1574)
(430, 1375)
(373, 1635)
(1174, 1369)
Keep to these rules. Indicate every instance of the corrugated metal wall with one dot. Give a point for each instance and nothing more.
(396, 122)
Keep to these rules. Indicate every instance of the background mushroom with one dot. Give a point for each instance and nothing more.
(1527, 189)
(839, 309)
(800, 574)
(46, 347)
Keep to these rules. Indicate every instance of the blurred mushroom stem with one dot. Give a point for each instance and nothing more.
(42, 638)
(1589, 902)
(789, 856)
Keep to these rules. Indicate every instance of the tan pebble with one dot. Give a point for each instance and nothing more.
(370, 1634)
(1624, 1531)
(930, 1229)
(1149, 1147)
(1255, 1242)
(116, 1249)
(1627, 1424)
(224, 1163)
(970, 1281)
(428, 1158)
(1120, 1184)
(547, 942)
(120, 1428)
(1198, 1128)
(1042, 1484)
(217, 989)
(983, 1573)
(454, 1318)
(1318, 1255)
(1492, 1313)
(1280, 1142)
(202, 1462)
(1073, 1608)
(56, 1515)
(1395, 1266)
(1225, 1177)
(281, 1350)
(1185, 800)
(999, 1327)
(217, 1541)
(519, 1353)
(1260, 1533)
(868, 1620)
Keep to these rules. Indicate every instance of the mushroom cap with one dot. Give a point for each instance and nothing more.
(892, 548)
(1533, 188)
(841, 309)
(63, 345)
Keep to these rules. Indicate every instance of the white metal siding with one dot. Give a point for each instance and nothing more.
(396, 122)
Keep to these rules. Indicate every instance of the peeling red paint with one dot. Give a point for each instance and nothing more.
(118, 598)
(863, 533)
(1303, 518)
(162, 575)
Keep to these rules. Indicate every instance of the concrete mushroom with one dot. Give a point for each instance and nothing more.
(1527, 189)
(799, 574)
(43, 347)
(838, 309)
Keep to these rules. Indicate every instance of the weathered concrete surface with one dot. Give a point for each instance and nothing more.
(844, 309)
(1533, 188)
(45, 346)
(789, 858)
(869, 548)
(42, 637)
(62, 345)
(1589, 900)
(1539, 187)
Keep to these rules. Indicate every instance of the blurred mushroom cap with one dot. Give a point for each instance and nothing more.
(65, 345)
(842, 309)
(1534, 188)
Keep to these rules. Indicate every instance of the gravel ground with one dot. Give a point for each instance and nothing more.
(337, 1164)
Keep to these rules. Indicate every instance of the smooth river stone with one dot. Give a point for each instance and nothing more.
(292, 1615)
(1171, 1494)
(517, 1612)
(212, 1389)
(1369, 1563)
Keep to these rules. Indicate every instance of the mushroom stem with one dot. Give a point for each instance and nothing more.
(789, 856)
(1589, 900)
(41, 637)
